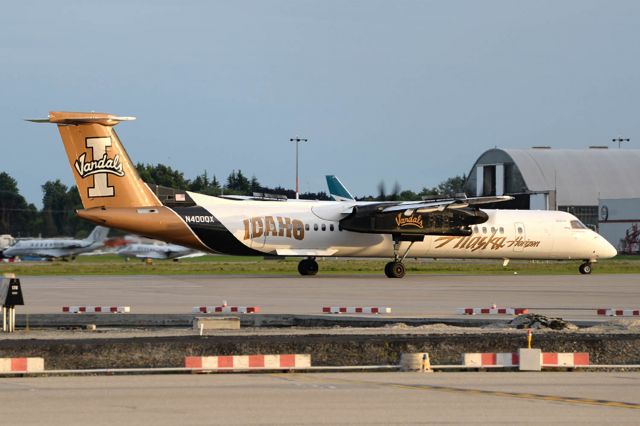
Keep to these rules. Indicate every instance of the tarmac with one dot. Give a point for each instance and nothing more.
(326, 398)
(572, 297)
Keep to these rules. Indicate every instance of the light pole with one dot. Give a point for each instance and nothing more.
(620, 140)
(297, 140)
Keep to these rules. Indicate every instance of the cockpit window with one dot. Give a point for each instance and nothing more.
(576, 224)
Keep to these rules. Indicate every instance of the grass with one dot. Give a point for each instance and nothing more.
(242, 265)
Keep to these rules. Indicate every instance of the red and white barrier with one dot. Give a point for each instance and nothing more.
(619, 312)
(491, 359)
(249, 362)
(492, 311)
(356, 310)
(226, 309)
(548, 359)
(559, 359)
(96, 309)
(21, 365)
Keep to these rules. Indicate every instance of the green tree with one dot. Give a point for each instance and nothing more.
(17, 217)
(162, 175)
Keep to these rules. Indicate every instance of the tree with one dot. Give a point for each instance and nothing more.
(17, 217)
(237, 183)
(162, 175)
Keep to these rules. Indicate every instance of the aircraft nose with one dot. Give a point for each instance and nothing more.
(606, 250)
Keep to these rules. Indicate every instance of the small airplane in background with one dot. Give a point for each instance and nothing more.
(113, 194)
(157, 251)
(58, 248)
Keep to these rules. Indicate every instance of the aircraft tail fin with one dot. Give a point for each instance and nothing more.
(98, 234)
(337, 190)
(104, 173)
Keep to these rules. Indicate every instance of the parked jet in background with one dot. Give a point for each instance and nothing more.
(157, 251)
(113, 194)
(337, 190)
(54, 248)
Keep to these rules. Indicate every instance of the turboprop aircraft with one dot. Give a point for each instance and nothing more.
(113, 195)
(54, 248)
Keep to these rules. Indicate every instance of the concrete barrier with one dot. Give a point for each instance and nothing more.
(249, 362)
(225, 309)
(492, 311)
(21, 365)
(619, 312)
(502, 359)
(356, 310)
(508, 359)
(96, 309)
(415, 362)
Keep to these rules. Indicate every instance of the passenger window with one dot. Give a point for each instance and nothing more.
(306, 226)
(324, 227)
(519, 230)
(501, 230)
(315, 226)
(339, 227)
(484, 230)
(331, 227)
(475, 229)
(493, 230)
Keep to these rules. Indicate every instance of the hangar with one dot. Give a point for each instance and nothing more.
(571, 180)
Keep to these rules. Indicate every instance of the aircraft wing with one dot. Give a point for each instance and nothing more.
(440, 205)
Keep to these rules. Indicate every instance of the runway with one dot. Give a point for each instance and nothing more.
(568, 296)
(315, 399)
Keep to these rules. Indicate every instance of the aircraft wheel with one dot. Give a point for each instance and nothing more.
(394, 270)
(585, 268)
(308, 267)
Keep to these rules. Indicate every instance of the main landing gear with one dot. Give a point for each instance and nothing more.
(585, 268)
(308, 266)
(395, 268)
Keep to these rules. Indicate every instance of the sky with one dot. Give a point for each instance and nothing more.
(395, 91)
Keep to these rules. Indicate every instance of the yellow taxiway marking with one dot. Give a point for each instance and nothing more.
(521, 395)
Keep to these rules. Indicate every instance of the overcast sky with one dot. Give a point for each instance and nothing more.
(406, 91)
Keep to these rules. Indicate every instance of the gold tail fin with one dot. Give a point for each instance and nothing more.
(104, 174)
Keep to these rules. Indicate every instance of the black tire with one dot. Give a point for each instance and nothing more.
(312, 267)
(585, 268)
(398, 270)
(394, 270)
(302, 267)
(387, 270)
(308, 267)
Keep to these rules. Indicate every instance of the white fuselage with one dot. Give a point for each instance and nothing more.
(311, 228)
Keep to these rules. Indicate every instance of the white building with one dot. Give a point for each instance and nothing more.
(572, 180)
(620, 223)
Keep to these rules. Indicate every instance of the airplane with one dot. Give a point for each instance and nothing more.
(58, 248)
(157, 251)
(114, 195)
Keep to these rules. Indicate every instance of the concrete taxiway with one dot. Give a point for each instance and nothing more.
(568, 296)
(311, 399)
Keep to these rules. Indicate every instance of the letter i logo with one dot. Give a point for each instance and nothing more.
(100, 186)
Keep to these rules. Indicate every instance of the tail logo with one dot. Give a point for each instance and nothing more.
(100, 166)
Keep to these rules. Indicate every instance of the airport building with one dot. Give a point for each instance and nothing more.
(579, 181)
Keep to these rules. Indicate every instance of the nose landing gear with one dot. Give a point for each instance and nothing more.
(585, 268)
(308, 266)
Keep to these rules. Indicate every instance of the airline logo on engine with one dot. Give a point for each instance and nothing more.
(99, 166)
(413, 220)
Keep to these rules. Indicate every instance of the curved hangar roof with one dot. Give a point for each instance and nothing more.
(579, 176)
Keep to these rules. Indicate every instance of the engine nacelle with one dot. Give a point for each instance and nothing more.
(446, 222)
